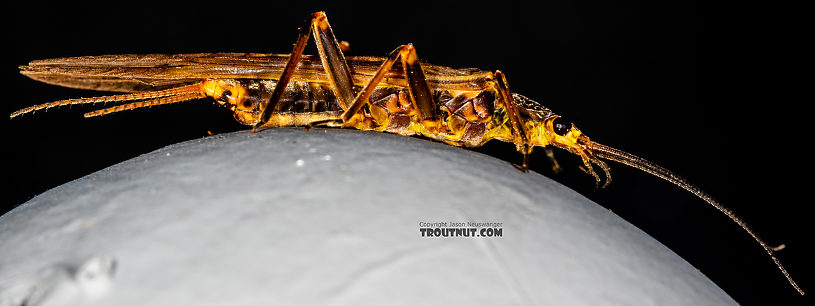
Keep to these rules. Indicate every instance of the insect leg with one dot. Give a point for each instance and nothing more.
(333, 60)
(365, 94)
(336, 68)
(419, 91)
(518, 129)
(268, 106)
(369, 88)
(551, 155)
(417, 84)
(420, 94)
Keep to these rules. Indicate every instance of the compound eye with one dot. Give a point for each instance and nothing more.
(561, 126)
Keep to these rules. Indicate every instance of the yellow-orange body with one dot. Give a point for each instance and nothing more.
(468, 117)
(470, 113)
(462, 107)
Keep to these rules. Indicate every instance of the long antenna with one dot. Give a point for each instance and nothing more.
(656, 170)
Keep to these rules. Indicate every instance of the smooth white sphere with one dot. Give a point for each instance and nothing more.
(328, 217)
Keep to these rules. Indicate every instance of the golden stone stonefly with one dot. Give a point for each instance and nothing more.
(461, 107)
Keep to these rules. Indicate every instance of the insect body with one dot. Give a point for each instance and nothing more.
(462, 107)
(463, 97)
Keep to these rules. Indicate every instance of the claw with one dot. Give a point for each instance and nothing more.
(588, 169)
(588, 160)
(555, 165)
(606, 170)
(328, 122)
(525, 149)
(523, 168)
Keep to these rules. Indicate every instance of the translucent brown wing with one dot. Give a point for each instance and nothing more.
(147, 72)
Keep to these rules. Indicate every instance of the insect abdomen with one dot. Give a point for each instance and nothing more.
(301, 104)
(468, 115)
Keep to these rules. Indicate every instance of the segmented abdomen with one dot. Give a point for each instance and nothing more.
(467, 115)
(301, 104)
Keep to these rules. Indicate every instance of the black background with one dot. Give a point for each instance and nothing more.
(705, 91)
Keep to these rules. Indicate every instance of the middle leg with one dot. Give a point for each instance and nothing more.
(419, 92)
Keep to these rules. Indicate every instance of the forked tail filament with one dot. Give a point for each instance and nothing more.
(146, 103)
(167, 96)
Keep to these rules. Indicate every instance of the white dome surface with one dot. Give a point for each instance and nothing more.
(329, 217)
